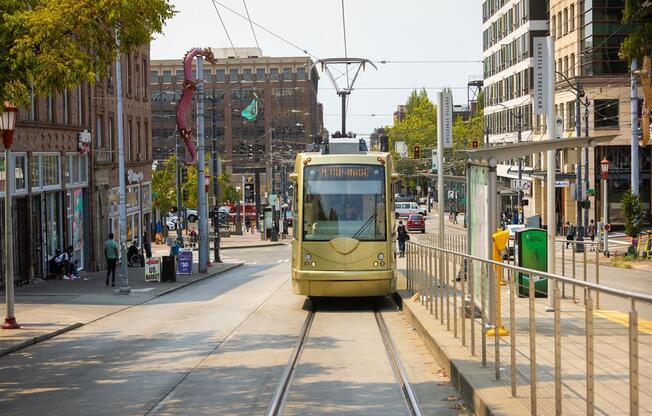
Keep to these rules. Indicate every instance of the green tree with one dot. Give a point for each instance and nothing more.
(229, 193)
(639, 41)
(51, 45)
(419, 127)
(634, 217)
(164, 184)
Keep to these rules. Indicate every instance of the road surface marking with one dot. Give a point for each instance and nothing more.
(622, 318)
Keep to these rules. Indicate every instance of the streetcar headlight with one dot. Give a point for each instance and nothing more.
(381, 256)
(382, 263)
(375, 264)
(308, 257)
(313, 264)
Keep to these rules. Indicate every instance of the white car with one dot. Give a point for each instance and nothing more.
(423, 210)
(191, 214)
(405, 209)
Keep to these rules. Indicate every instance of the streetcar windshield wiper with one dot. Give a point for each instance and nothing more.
(365, 225)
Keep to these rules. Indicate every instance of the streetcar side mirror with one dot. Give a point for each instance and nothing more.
(294, 177)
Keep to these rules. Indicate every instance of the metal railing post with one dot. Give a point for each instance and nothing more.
(483, 306)
(590, 391)
(597, 277)
(557, 325)
(512, 331)
(431, 274)
(455, 257)
(496, 330)
(563, 269)
(442, 268)
(573, 272)
(533, 349)
(633, 360)
(472, 304)
(447, 288)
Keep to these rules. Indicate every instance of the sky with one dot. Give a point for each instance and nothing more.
(375, 29)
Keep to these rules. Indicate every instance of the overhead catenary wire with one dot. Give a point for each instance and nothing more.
(251, 25)
(346, 52)
(219, 15)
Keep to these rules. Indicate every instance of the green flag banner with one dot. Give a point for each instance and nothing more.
(251, 112)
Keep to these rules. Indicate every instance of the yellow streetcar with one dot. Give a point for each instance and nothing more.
(343, 223)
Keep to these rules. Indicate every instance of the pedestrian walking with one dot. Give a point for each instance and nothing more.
(402, 236)
(455, 214)
(111, 254)
(570, 233)
(247, 224)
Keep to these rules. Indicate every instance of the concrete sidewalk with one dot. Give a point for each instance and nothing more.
(51, 307)
(247, 240)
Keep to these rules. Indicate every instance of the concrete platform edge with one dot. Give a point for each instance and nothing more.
(465, 371)
(50, 335)
(254, 246)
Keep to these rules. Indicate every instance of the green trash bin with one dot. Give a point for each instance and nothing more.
(531, 251)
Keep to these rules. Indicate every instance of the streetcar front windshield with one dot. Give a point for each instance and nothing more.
(344, 201)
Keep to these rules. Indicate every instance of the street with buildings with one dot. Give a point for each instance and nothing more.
(195, 166)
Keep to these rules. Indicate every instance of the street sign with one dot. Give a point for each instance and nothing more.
(540, 73)
(521, 185)
(401, 149)
(562, 184)
(559, 127)
(433, 163)
(184, 265)
(249, 191)
(446, 109)
(153, 270)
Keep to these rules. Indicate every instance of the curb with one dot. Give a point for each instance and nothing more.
(38, 339)
(50, 335)
(474, 383)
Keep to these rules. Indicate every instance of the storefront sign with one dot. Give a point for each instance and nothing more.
(184, 264)
(153, 270)
(135, 177)
(562, 184)
(77, 220)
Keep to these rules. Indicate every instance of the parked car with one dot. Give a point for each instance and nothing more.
(416, 222)
(405, 209)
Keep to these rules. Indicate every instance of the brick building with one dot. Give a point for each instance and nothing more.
(289, 115)
(65, 168)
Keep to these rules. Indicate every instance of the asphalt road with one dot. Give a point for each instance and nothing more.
(219, 347)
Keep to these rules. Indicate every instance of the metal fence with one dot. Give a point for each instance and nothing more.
(551, 364)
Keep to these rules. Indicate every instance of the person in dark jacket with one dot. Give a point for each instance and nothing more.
(402, 236)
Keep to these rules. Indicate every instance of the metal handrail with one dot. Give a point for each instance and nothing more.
(601, 288)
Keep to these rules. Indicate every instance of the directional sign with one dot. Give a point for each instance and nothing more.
(249, 193)
(521, 185)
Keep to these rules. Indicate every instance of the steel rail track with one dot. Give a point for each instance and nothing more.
(280, 395)
(397, 367)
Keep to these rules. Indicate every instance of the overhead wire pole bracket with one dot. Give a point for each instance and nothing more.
(328, 64)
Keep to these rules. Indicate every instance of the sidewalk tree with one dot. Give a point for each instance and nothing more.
(634, 216)
(53, 45)
(229, 193)
(164, 183)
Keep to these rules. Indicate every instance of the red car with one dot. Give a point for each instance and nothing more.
(416, 222)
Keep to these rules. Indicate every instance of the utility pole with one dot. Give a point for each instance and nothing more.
(634, 123)
(179, 185)
(201, 161)
(578, 177)
(586, 162)
(520, 169)
(216, 174)
(122, 208)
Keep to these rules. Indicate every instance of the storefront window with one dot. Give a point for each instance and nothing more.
(132, 197)
(77, 169)
(35, 171)
(146, 195)
(51, 170)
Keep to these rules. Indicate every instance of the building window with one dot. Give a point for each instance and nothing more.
(301, 74)
(110, 138)
(559, 25)
(208, 76)
(33, 112)
(287, 74)
(220, 75)
(130, 71)
(572, 65)
(99, 141)
(260, 74)
(66, 107)
(50, 104)
(247, 74)
(605, 114)
(167, 77)
(565, 21)
(273, 74)
(130, 131)
(571, 18)
(153, 77)
(553, 27)
(20, 173)
(35, 172)
(233, 75)
(145, 88)
(51, 170)
(80, 106)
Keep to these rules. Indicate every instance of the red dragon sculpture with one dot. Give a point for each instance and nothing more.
(183, 108)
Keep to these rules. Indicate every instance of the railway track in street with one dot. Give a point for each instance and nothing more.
(400, 375)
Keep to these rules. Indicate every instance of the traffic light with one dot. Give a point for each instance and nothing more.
(184, 174)
(184, 194)
(251, 151)
(417, 151)
(242, 148)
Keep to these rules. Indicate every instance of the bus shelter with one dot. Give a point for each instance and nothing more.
(483, 204)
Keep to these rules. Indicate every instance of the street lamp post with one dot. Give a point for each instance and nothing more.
(604, 168)
(7, 125)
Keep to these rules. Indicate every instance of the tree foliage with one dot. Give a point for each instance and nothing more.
(229, 193)
(51, 45)
(639, 41)
(419, 127)
(634, 217)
